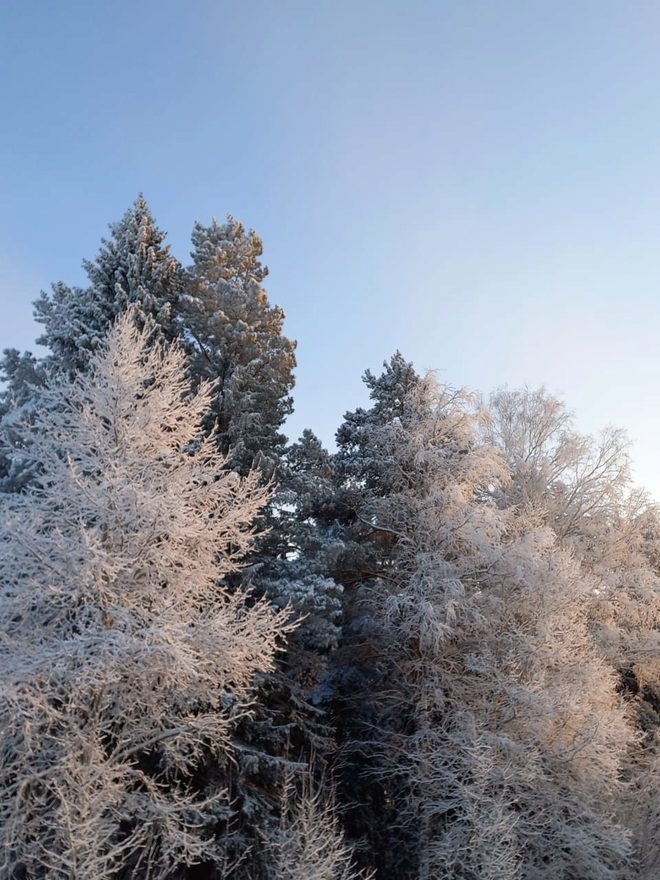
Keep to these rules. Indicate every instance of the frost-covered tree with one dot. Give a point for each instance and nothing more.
(134, 266)
(361, 465)
(125, 663)
(297, 570)
(309, 843)
(292, 568)
(361, 474)
(236, 340)
(580, 486)
(570, 480)
(494, 723)
(23, 376)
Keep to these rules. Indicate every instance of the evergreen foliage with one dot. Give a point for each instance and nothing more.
(23, 376)
(133, 267)
(236, 340)
(433, 653)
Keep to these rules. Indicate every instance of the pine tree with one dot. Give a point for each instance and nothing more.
(125, 662)
(236, 340)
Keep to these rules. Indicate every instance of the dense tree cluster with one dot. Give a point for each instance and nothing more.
(431, 654)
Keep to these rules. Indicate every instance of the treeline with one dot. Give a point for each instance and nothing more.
(431, 654)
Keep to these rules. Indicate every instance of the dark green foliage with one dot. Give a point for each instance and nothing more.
(235, 339)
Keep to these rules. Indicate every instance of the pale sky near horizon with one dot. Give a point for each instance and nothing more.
(474, 183)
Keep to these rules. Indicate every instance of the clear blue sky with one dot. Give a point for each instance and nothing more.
(475, 183)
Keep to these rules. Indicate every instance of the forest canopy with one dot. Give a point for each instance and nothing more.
(430, 652)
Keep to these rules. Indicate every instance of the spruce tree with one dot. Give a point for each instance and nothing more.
(297, 570)
(361, 473)
(133, 267)
(388, 392)
(23, 376)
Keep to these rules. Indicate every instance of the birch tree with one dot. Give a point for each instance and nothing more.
(496, 720)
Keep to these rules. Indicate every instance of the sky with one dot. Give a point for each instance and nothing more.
(476, 184)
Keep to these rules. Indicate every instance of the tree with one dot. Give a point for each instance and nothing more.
(133, 267)
(494, 724)
(389, 393)
(570, 480)
(297, 568)
(125, 664)
(360, 668)
(581, 488)
(236, 340)
(309, 843)
(23, 376)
